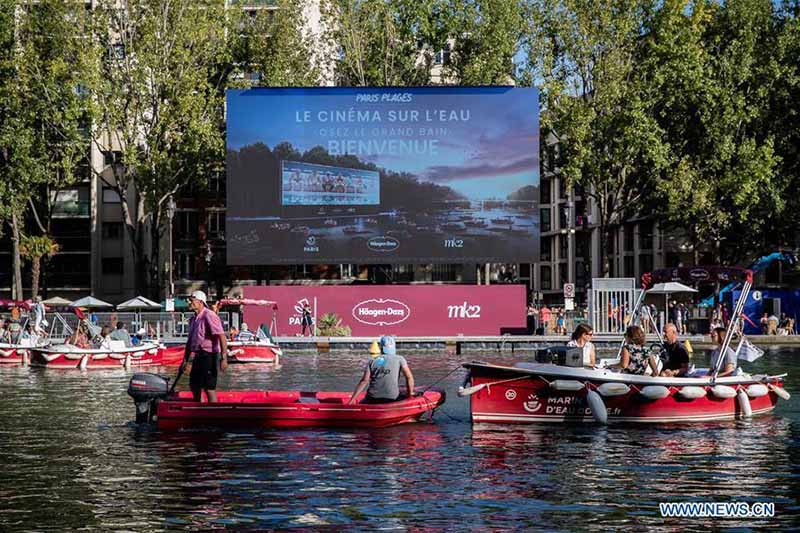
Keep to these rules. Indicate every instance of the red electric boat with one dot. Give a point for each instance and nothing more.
(69, 356)
(567, 392)
(271, 409)
(14, 354)
(257, 347)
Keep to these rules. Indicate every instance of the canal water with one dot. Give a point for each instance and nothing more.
(72, 458)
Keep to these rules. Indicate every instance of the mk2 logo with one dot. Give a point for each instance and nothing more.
(464, 310)
(454, 243)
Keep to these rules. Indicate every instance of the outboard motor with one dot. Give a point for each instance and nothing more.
(147, 390)
(560, 355)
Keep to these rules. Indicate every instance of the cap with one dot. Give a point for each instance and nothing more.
(388, 345)
(374, 349)
(141, 331)
(199, 295)
(44, 323)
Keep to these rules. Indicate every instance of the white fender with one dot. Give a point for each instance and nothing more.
(74, 356)
(567, 385)
(692, 392)
(84, 362)
(597, 407)
(613, 389)
(654, 392)
(757, 390)
(723, 391)
(4, 353)
(26, 358)
(49, 357)
(744, 404)
(235, 352)
(117, 356)
(100, 356)
(127, 363)
(780, 391)
(140, 353)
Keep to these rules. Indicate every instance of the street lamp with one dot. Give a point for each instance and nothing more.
(209, 257)
(170, 265)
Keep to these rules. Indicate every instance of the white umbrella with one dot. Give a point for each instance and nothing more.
(90, 302)
(140, 302)
(666, 289)
(57, 301)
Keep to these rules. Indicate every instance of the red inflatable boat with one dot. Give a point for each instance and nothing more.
(272, 409)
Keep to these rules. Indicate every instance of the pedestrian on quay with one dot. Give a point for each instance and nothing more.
(544, 316)
(307, 321)
(210, 348)
(533, 319)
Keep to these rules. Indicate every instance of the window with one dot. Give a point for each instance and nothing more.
(646, 262)
(70, 202)
(547, 277)
(185, 264)
(114, 266)
(562, 274)
(525, 270)
(563, 246)
(112, 230)
(544, 191)
(545, 249)
(563, 217)
(216, 224)
(544, 216)
(110, 196)
(646, 235)
(443, 55)
(628, 238)
(628, 264)
(187, 224)
(111, 157)
(562, 188)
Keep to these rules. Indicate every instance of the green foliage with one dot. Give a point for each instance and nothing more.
(330, 325)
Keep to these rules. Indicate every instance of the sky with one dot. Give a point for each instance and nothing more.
(482, 142)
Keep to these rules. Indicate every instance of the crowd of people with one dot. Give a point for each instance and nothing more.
(543, 320)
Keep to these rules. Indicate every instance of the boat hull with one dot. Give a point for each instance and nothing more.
(290, 409)
(529, 398)
(13, 354)
(253, 352)
(63, 357)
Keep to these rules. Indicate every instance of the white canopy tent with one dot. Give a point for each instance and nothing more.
(90, 302)
(666, 289)
(57, 301)
(140, 302)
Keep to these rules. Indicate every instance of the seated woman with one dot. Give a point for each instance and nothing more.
(635, 357)
(582, 338)
(729, 362)
(245, 335)
(79, 337)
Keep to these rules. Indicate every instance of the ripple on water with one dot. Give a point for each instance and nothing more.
(72, 458)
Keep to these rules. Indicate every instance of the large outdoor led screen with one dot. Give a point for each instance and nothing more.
(383, 175)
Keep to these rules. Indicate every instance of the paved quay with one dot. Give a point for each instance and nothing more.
(499, 343)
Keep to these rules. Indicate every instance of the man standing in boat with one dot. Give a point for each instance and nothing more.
(677, 363)
(381, 376)
(208, 344)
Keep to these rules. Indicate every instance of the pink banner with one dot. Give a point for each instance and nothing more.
(403, 310)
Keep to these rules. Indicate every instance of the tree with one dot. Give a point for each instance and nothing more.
(276, 46)
(596, 102)
(715, 68)
(159, 105)
(34, 248)
(385, 42)
(486, 36)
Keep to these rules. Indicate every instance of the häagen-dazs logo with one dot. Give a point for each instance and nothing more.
(383, 244)
(698, 274)
(381, 312)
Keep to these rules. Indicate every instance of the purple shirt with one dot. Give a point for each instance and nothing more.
(203, 331)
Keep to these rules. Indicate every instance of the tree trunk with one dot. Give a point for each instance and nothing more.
(155, 257)
(36, 268)
(605, 242)
(16, 288)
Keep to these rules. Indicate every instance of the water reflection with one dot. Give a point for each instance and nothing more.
(73, 459)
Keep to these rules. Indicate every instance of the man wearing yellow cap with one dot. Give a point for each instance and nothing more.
(382, 374)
